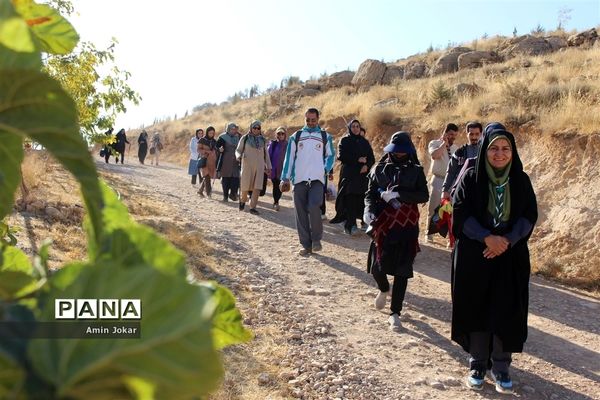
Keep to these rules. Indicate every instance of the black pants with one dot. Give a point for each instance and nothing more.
(276, 191)
(230, 188)
(107, 154)
(324, 204)
(194, 179)
(398, 290)
(480, 352)
(355, 205)
(122, 157)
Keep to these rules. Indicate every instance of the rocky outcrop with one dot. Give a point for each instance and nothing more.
(448, 62)
(476, 59)
(527, 45)
(415, 70)
(467, 89)
(369, 73)
(587, 38)
(339, 79)
(557, 42)
(392, 73)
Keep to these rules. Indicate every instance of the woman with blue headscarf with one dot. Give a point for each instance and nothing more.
(494, 211)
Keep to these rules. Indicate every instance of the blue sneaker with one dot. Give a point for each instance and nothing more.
(503, 382)
(475, 379)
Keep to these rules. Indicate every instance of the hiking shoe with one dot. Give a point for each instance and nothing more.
(225, 200)
(316, 246)
(253, 211)
(200, 193)
(242, 205)
(304, 252)
(381, 299)
(503, 382)
(394, 321)
(475, 379)
(276, 207)
(363, 226)
(233, 197)
(353, 230)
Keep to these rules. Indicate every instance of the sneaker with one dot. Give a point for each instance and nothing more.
(394, 321)
(233, 197)
(323, 217)
(475, 379)
(347, 231)
(381, 299)
(316, 246)
(336, 220)
(304, 252)
(363, 226)
(209, 195)
(242, 205)
(276, 207)
(253, 211)
(353, 230)
(200, 193)
(503, 382)
(225, 200)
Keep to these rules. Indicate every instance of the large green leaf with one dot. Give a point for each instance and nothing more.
(33, 105)
(14, 32)
(175, 354)
(128, 243)
(10, 59)
(12, 378)
(11, 156)
(53, 32)
(16, 274)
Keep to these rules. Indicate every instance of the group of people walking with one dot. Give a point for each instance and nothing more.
(119, 142)
(493, 206)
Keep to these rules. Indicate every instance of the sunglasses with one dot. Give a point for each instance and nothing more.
(256, 127)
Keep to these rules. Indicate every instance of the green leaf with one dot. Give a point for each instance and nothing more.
(12, 378)
(15, 34)
(16, 274)
(40, 261)
(53, 32)
(128, 243)
(175, 352)
(33, 105)
(10, 59)
(227, 320)
(11, 156)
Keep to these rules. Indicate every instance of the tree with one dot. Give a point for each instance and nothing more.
(564, 16)
(515, 32)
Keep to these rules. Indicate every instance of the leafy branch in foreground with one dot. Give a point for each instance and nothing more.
(184, 324)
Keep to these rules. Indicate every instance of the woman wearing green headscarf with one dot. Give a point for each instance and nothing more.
(494, 212)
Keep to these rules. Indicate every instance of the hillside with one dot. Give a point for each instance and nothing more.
(544, 89)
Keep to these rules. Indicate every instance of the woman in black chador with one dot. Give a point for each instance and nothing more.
(396, 185)
(494, 213)
(142, 146)
(119, 145)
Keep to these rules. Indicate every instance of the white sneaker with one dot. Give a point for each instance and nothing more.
(381, 299)
(394, 321)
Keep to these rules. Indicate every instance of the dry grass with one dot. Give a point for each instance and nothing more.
(33, 168)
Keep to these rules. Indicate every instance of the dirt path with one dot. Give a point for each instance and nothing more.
(338, 345)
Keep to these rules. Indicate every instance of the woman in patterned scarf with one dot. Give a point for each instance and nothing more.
(494, 213)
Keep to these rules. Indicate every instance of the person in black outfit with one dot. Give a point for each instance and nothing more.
(396, 185)
(119, 145)
(494, 211)
(356, 156)
(142, 146)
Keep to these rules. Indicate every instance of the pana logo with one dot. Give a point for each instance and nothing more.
(97, 309)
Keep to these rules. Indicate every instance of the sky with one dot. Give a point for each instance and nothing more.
(183, 53)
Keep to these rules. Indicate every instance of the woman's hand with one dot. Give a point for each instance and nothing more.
(496, 245)
(362, 160)
(364, 169)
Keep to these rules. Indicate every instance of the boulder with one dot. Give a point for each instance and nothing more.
(312, 85)
(587, 38)
(369, 73)
(392, 73)
(415, 70)
(448, 62)
(467, 89)
(339, 79)
(305, 92)
(476, 59)
(528, 45)
(557, 42)
(53, 213)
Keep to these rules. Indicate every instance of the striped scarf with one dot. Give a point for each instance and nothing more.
(498, 193)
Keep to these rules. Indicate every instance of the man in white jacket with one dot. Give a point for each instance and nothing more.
(305, 166)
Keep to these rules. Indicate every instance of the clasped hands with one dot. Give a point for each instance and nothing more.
(496, 245)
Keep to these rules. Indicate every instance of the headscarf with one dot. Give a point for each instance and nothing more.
(350, 126)
(229, 127)
(495, 185)
(256, 141)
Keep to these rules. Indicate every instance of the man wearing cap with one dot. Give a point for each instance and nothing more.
(305, 167)
(440, 151)
(277, 149)
(228, 167)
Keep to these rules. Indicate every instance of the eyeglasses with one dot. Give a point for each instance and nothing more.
(280, 134)
(256, 127)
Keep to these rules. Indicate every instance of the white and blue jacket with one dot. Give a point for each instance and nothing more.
(306, 163)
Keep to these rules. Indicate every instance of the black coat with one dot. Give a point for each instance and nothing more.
(121, 139)
(491, 295)
(350, 149)
(408, 179)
